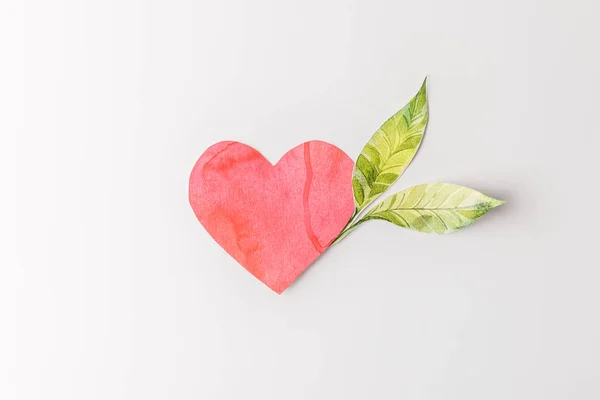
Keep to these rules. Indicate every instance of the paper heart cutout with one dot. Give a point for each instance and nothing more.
(275, 220)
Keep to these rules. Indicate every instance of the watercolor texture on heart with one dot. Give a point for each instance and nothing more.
(275, 220)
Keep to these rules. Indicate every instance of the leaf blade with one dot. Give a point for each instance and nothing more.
(390, 150)
(434, 208)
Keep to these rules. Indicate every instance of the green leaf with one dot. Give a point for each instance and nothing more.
(389, 151)
(433, 208)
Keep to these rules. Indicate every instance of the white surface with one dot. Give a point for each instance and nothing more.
(116, 292)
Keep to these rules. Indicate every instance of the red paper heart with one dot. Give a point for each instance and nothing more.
(275, 220)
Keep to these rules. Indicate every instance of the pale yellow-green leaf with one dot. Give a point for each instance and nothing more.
(433, 208)
(389, 151)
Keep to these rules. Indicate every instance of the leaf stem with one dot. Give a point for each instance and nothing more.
(352, 224)
(346, 231)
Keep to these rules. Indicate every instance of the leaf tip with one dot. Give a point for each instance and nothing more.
(496, 203)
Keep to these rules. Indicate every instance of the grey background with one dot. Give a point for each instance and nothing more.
(115, 291)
